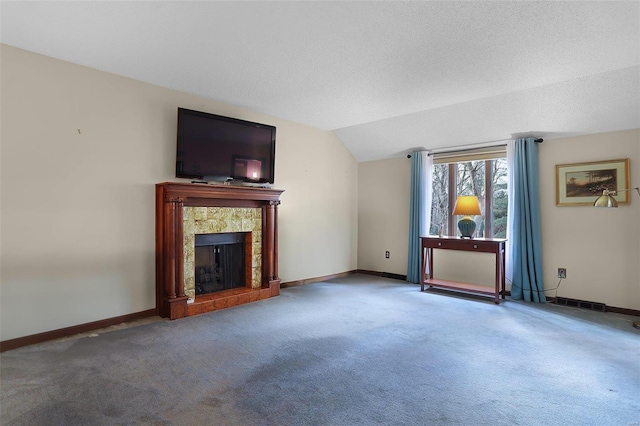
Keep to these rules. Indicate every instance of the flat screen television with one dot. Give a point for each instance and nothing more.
(215, 148)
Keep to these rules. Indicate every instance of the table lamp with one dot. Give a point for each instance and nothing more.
(467, 206)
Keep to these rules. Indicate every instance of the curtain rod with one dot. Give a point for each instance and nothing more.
(472, 147)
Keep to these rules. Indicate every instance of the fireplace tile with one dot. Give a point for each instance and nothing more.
(255, 260)
(199, 213)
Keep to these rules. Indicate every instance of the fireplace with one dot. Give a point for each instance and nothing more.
(192, 218)
(220, 261)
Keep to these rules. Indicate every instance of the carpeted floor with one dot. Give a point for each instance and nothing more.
(358, 350)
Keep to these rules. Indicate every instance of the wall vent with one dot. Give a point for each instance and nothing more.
(594, 306)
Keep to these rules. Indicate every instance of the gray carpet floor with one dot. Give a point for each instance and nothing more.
(358, 350)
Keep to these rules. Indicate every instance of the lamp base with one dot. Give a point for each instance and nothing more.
(467, 226)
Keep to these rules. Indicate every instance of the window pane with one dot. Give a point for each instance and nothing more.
(470, 181)
(500, 198)
(440, 200)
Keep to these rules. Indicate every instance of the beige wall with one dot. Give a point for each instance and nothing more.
(383, 215)
(599, 247)
(81, 152)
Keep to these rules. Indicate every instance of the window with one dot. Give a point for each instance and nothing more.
(482, 173)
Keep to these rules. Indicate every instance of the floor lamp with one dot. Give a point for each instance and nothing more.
(607, 200)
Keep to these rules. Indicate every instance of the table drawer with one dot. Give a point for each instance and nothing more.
(467, 245)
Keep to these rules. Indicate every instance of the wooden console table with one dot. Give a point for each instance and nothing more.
(483, 245)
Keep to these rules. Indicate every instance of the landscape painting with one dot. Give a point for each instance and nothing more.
(581, 183)
(586, 184)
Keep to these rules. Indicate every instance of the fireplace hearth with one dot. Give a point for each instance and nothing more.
(186, 210)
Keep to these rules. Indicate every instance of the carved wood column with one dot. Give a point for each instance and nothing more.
(270, 240)
(174, 258)
(169, 257)
(276, 276)
(179, 250)
(270, 258)
(174, 301)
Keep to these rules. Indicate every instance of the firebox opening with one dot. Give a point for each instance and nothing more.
(220, 262)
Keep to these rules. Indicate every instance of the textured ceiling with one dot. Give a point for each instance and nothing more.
(387, 77)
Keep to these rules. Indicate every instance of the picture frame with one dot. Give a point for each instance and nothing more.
(579, 184)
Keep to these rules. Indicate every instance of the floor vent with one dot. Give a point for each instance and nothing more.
(394, 276)
(594, 306)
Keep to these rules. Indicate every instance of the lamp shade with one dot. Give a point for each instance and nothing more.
(467, 205)
(606, 200)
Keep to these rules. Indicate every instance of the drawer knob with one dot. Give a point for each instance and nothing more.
(439, 244)
(475, 246)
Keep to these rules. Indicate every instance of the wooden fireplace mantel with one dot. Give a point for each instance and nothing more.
(171, 197)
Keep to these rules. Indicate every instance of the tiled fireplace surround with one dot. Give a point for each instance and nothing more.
(186, 209)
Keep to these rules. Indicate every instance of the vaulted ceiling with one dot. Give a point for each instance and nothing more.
(387, 77)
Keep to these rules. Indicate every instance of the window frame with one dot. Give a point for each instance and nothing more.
(452, 159)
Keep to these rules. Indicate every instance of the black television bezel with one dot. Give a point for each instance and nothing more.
(181, 173)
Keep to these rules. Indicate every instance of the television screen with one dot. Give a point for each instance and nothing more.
(216, 148)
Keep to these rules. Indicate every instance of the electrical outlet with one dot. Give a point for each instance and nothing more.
(386, 254)
(562, 272)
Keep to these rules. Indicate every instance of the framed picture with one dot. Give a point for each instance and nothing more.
(580, 184)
